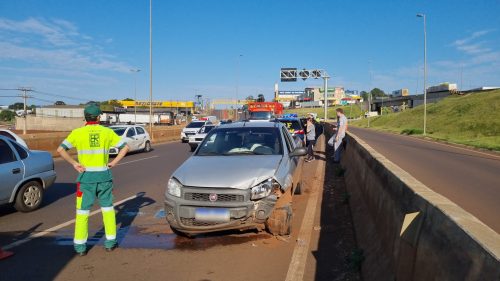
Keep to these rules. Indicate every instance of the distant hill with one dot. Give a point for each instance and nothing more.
(472, 119)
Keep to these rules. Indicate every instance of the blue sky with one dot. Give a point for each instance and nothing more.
(85, 49)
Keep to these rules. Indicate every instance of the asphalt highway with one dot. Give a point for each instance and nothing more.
(42, 240)
(469, 178)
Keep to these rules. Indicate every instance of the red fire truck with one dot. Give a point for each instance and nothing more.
(264, 110)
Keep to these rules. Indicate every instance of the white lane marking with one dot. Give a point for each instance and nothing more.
(137, 160)
(57, 227)
(299, 257)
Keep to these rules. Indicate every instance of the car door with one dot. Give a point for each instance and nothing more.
(141, 137)
(131, 139)
(11, 170)
(295, 166)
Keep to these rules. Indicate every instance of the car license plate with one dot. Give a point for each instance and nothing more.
(212, 215)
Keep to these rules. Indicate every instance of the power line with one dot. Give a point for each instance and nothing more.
(60, 96)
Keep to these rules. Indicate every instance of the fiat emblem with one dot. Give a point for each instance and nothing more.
(212, 197)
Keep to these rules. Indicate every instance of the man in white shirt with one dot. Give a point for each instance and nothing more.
(339, 136)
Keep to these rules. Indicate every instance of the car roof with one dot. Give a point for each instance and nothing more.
(289, 119)
(124, 125)
(246, 124)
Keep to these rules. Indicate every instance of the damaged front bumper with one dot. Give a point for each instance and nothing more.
(184, 213)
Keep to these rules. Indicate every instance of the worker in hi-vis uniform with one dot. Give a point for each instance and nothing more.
(92, 143)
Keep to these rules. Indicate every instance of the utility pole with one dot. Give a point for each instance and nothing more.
(370, 94)
(24, 96)
(151, 69)
(135, 71)
(325, 79)
(425, 71)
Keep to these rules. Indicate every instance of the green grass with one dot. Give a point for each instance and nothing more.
(302, 112)
(472, 119)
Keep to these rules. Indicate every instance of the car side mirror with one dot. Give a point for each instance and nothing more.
(298, 151)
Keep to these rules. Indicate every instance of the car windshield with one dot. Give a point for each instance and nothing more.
(261, 115)
(205, 129)
(241, 141)
(195, 125)
(291, 125)
(119, 130)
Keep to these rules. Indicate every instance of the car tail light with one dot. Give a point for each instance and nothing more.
(299, 132)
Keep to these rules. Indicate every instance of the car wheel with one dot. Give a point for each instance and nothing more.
(280, 221)
(29, 197)
(147, 147)
(298, 188)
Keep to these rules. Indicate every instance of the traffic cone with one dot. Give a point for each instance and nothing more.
(5, 254)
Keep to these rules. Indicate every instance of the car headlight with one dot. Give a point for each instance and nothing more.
(174, 187)
(183, 134)
(263, 189)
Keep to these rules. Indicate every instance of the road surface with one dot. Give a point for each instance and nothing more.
(149, 250)
(469, 178)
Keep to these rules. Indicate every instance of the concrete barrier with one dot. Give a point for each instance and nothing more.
(51, 140)
(408, 231)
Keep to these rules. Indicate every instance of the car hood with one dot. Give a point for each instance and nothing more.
(238, 171)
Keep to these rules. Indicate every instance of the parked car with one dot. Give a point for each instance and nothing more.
(11, 135)
(194, 140)
(192, 128)
(295, 127)
(25, 175)
(136, 137)
(242, 176)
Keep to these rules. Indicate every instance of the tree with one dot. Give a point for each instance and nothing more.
(17, 106)
(128, 99)
(59, 102)
(261, 98)
(109, 105)
(7, 115)
(364, 95)
(376, 92)
(250, 98)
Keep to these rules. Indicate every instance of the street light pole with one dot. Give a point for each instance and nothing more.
(237, 85)
(326, 97)
(135, 93)
(151, 68)
(425, 71)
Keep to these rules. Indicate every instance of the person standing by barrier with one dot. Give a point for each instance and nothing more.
(310, 138)
(92, 143)
(340, 134)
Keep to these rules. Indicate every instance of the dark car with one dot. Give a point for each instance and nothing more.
(295, 127)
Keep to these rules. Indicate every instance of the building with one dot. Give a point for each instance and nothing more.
(335, 95)
(65, 111)
(400, 93)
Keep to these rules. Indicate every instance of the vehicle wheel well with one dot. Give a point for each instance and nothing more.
(39, 180)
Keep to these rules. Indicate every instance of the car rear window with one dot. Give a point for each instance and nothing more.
(292, 124)
(7, 135)
(195, 125)
(140, 130)
(20, 150)
(6, 153)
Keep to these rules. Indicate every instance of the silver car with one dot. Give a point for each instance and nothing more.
(25, 175)
(242, 176)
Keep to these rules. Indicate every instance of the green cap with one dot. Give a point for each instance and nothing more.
(92, 110)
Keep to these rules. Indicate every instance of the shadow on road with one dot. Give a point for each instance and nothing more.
(58, 191)
(36, 260)
(52, 194)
